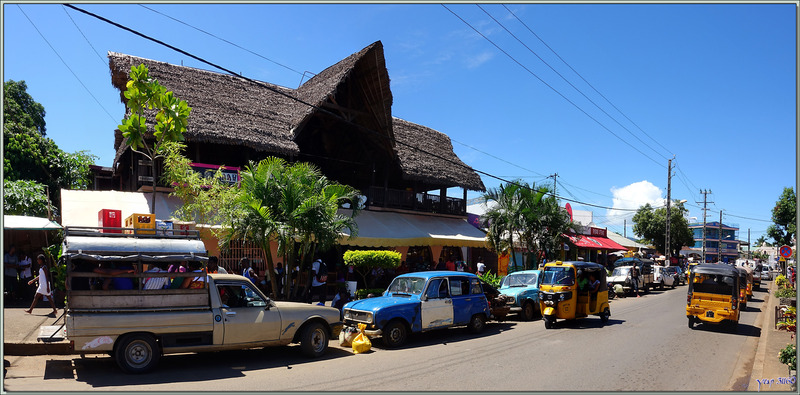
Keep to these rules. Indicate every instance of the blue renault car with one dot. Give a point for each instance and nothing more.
(421, 301)
(522, 291)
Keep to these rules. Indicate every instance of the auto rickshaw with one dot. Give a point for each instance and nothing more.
(742, 287)
(713, 295)
(750, 281)
(561, 295)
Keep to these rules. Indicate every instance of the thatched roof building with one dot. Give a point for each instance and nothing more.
(349, 132)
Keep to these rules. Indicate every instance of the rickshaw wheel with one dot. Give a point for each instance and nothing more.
(604, 315)
(548, 322)
(691, 322)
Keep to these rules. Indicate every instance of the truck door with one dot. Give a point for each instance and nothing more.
(245, 315)
(437, 309)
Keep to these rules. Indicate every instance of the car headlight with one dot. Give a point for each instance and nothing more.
(511, 299)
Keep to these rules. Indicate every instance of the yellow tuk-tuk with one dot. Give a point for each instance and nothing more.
(713, 294)
(562, 293)
(750, 280)
(742, 287)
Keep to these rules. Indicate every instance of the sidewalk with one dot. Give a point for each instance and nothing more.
(21, 329)
(768, 373)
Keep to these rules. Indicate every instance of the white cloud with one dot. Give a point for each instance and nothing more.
(477, 60)
(632, 197)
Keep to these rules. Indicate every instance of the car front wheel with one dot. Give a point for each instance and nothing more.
(314, 340)
(394, 334)
(528, 310)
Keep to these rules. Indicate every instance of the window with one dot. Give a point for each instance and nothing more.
(238, 296)
(476, 287)
(437, 289)
(459, 286)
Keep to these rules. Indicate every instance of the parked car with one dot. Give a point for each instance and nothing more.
(622, 276)
(766, 275)
(421, 301)
(522, 292)
(663, 277)
(677, 272)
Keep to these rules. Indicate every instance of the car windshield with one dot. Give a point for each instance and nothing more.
(620, 271)
(519, 280)
(407, 285)
(558, 275)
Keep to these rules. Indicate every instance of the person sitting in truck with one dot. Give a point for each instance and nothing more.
(198, 282)
(156, 282)
(113, 282)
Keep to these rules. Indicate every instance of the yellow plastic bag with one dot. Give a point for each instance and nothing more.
(361, 343)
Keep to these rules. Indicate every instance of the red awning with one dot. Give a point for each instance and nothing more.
(594, 242)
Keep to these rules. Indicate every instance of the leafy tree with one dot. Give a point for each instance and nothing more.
(19, 107)
(364, 261)
(29, 155)
(146, 94)
(25, 197)
(784, 217)
(761, 241)
(651, 225)
(293, 204)
(527, 218)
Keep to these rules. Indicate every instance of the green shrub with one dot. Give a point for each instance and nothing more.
(491, 279)
(782, 282)
(785, 293)
(788, 356)
(364, 261)
(362, 293)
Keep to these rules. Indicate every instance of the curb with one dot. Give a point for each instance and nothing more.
(761, 349)
(30, 349)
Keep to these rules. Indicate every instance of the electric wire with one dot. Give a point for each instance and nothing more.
(65, 63)
(584, 79)
(102, 60)
(496, 157)
(224, 40)
(551, 87)
(567, 81)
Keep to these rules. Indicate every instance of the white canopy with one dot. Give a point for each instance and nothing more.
(390, 229)
(22, 222)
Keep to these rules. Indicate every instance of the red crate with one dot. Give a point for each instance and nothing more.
(109, 218)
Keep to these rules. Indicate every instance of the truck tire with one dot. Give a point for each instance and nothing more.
(394, 334)
(528, 311)
(137, 353)
(314, 340)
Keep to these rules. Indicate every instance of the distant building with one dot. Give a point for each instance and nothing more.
(720, 247)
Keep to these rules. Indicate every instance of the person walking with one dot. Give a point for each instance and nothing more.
(481, 267)
(635, 279)
(44, 285)
(319, 280)
(10, 265)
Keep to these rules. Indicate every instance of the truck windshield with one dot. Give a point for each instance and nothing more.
(620, 271)
(407, 285)
(558, 275)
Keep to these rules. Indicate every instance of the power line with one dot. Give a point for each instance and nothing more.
(322, 110)
(567, 81)
(102, 60)
(224, 40)
(551, 87)
(584, 79)
(498, 158)
(65, 63)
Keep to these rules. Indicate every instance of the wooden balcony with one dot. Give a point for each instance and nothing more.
(414, 201)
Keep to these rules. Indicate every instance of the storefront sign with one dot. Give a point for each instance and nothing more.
(598, 232)
(230, 175)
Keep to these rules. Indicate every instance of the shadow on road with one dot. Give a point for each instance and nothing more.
(587, 323)
(99, 371)
(740, 329)
(450, 335)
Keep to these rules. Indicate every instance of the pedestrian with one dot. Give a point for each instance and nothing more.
(280, 276)
(43, 289)
(635, 279)
(248, 271)
(10, 265)
(25, 275)
(214, 267)
(481, 267)
(450, 264)
(441, 265)
(319, 272)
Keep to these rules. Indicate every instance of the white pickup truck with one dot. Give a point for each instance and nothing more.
(136, 326)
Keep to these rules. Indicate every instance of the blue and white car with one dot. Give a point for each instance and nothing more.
(521, 290)
(418, 302)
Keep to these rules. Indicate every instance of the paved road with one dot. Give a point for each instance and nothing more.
(646, 346)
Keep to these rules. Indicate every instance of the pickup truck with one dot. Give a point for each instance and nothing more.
(137, 326)
(621, 274)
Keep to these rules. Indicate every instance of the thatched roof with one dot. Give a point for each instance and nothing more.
(229, 110)
(419, 165)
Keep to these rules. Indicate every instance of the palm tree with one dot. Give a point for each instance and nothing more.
(504, 220)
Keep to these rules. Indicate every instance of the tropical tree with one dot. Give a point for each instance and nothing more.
(553, 222)
(651, 225)
(29, 155)
(146, 94)
(25, 197)
(503, 219)
(294, 205)
(784, 217)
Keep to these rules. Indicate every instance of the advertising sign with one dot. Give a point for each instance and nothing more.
(230, 174)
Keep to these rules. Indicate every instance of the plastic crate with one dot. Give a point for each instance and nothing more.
(109, 218)
(141, 222)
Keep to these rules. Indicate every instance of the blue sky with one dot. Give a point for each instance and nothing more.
(713, 85)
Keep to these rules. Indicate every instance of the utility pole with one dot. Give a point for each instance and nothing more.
(555, 176)
(705, 204)
(667, 248)
(719, 244)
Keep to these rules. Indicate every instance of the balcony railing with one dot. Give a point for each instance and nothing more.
(408, 200)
